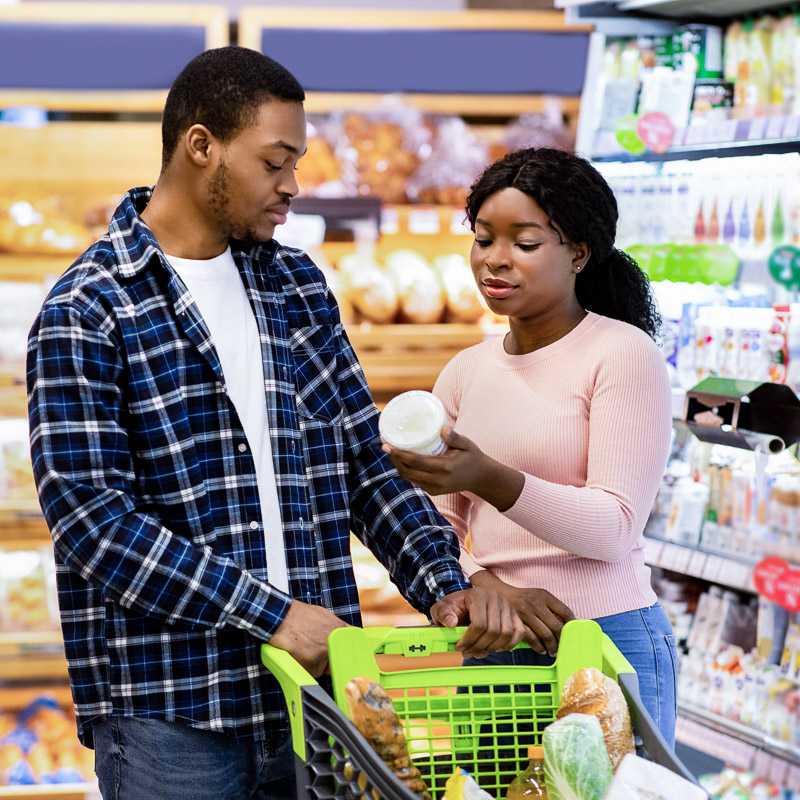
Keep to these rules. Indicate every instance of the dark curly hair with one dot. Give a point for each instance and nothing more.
(222, 89)
(581, 208)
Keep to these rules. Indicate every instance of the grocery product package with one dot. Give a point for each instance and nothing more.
(39, 227)
(27, 591)
(16, 476)
(461, 786)
(379, 151)
(588, 691)
(639, 779)
(456, 160)
(464, 301)
(576, 761)
(422, 298)
(368, 288)
(542, 129)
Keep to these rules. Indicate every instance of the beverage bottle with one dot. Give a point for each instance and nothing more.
(529, 784)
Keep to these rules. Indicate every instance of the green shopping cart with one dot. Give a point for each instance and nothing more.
(482, 719)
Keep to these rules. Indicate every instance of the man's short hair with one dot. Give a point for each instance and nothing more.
(222, 89)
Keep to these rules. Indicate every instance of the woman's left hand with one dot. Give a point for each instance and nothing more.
(462, 468)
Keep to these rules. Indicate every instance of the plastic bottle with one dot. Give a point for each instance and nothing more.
(699, 224)
(529, 784)
(778, 228)
(729, 228)
(713, 224)
(413, 421)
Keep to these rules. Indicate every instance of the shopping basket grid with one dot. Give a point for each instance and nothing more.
(482, 719)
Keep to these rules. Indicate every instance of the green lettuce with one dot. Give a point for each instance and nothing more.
(576, 761)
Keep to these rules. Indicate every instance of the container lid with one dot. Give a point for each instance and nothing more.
(412, 419)
(536, 753)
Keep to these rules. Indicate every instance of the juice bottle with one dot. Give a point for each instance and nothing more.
(713, 224)
(529, 784)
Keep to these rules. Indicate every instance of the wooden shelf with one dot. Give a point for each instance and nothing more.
(16, 267)
(33, 668)
(396, 358)
(64, 791)
(15, 698)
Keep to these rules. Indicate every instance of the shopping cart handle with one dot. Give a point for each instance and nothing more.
(292, 677)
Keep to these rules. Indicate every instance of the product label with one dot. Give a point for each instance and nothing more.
(656, 130)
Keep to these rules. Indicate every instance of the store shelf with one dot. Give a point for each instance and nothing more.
(64, 791)
(733, 571)
(680, 9)
(15, 698)
(15, 267)
(736, 744)
(396, 358)
(743, 137)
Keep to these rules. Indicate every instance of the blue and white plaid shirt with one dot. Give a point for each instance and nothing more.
(153, 509)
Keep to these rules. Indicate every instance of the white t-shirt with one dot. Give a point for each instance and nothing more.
(218, 291)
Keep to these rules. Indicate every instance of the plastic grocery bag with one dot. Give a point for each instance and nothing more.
(576, 762)
(639, 779)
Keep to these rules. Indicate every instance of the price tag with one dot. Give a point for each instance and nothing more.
(652, 552)
(423, 221)
(758, 129)
(775, 127)
(681, 559)
(656, 130)
(459, 224)
(791, 130)
(784, 266)
(390, 222)
(697, 564)
(787, 590)
(767, 577)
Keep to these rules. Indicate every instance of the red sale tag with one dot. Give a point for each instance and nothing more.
(787, 590)
(767, 574)
(656, 130)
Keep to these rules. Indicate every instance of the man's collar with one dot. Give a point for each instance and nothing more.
(135, 245)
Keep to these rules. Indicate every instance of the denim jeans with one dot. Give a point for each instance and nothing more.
(644, 637)
(147, 759)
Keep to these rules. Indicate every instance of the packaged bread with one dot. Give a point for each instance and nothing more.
(369, 289)
(374, 715)
(418, 287)
(588, 691)
(464, 302)
(27, 230)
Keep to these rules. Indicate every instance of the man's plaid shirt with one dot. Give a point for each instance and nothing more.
(153, 509)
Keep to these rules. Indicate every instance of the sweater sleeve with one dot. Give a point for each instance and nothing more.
(455, 507)
(629, 433)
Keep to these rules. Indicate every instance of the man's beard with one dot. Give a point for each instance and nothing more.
(219, 204)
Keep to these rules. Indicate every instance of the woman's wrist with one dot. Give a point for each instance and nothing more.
(486, 580)
(498, 484)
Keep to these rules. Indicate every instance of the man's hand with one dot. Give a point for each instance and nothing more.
(542, 614)
(304, 633)
(493, 623)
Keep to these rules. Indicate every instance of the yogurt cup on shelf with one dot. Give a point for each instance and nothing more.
(413, 421)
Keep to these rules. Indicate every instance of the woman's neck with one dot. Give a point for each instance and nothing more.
(532, 333)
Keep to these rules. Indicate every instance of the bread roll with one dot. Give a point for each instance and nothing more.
(588, 691)
(420, 292)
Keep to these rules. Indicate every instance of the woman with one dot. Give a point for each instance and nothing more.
(564, 424)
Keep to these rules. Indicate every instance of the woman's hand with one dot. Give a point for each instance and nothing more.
(464, 467)
(460, 469)
(542, 614)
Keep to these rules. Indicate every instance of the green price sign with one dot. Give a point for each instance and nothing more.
(784, 266)
(628, 137)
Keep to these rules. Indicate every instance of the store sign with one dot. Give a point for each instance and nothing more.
(778, 582)
(784, 266)
(627, 135)
(656, 130)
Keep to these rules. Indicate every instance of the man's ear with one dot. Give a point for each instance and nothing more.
(199, 144)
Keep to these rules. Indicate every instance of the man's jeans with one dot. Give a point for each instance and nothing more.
(144, 759)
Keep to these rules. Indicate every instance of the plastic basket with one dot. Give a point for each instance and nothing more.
(482, 719)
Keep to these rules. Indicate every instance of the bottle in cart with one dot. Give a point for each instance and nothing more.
(529, 784)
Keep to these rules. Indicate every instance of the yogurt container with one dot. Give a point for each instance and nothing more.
(413, 421)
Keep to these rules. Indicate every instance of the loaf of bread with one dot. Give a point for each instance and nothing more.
(464, 302)
(588, 691)
(374, 715)
(419, 290)
(369, 289)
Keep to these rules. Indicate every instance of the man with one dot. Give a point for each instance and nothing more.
(203, 441)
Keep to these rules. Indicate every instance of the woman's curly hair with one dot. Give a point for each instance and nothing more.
(581, 208)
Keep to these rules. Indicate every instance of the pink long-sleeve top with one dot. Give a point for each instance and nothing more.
(587, 419)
